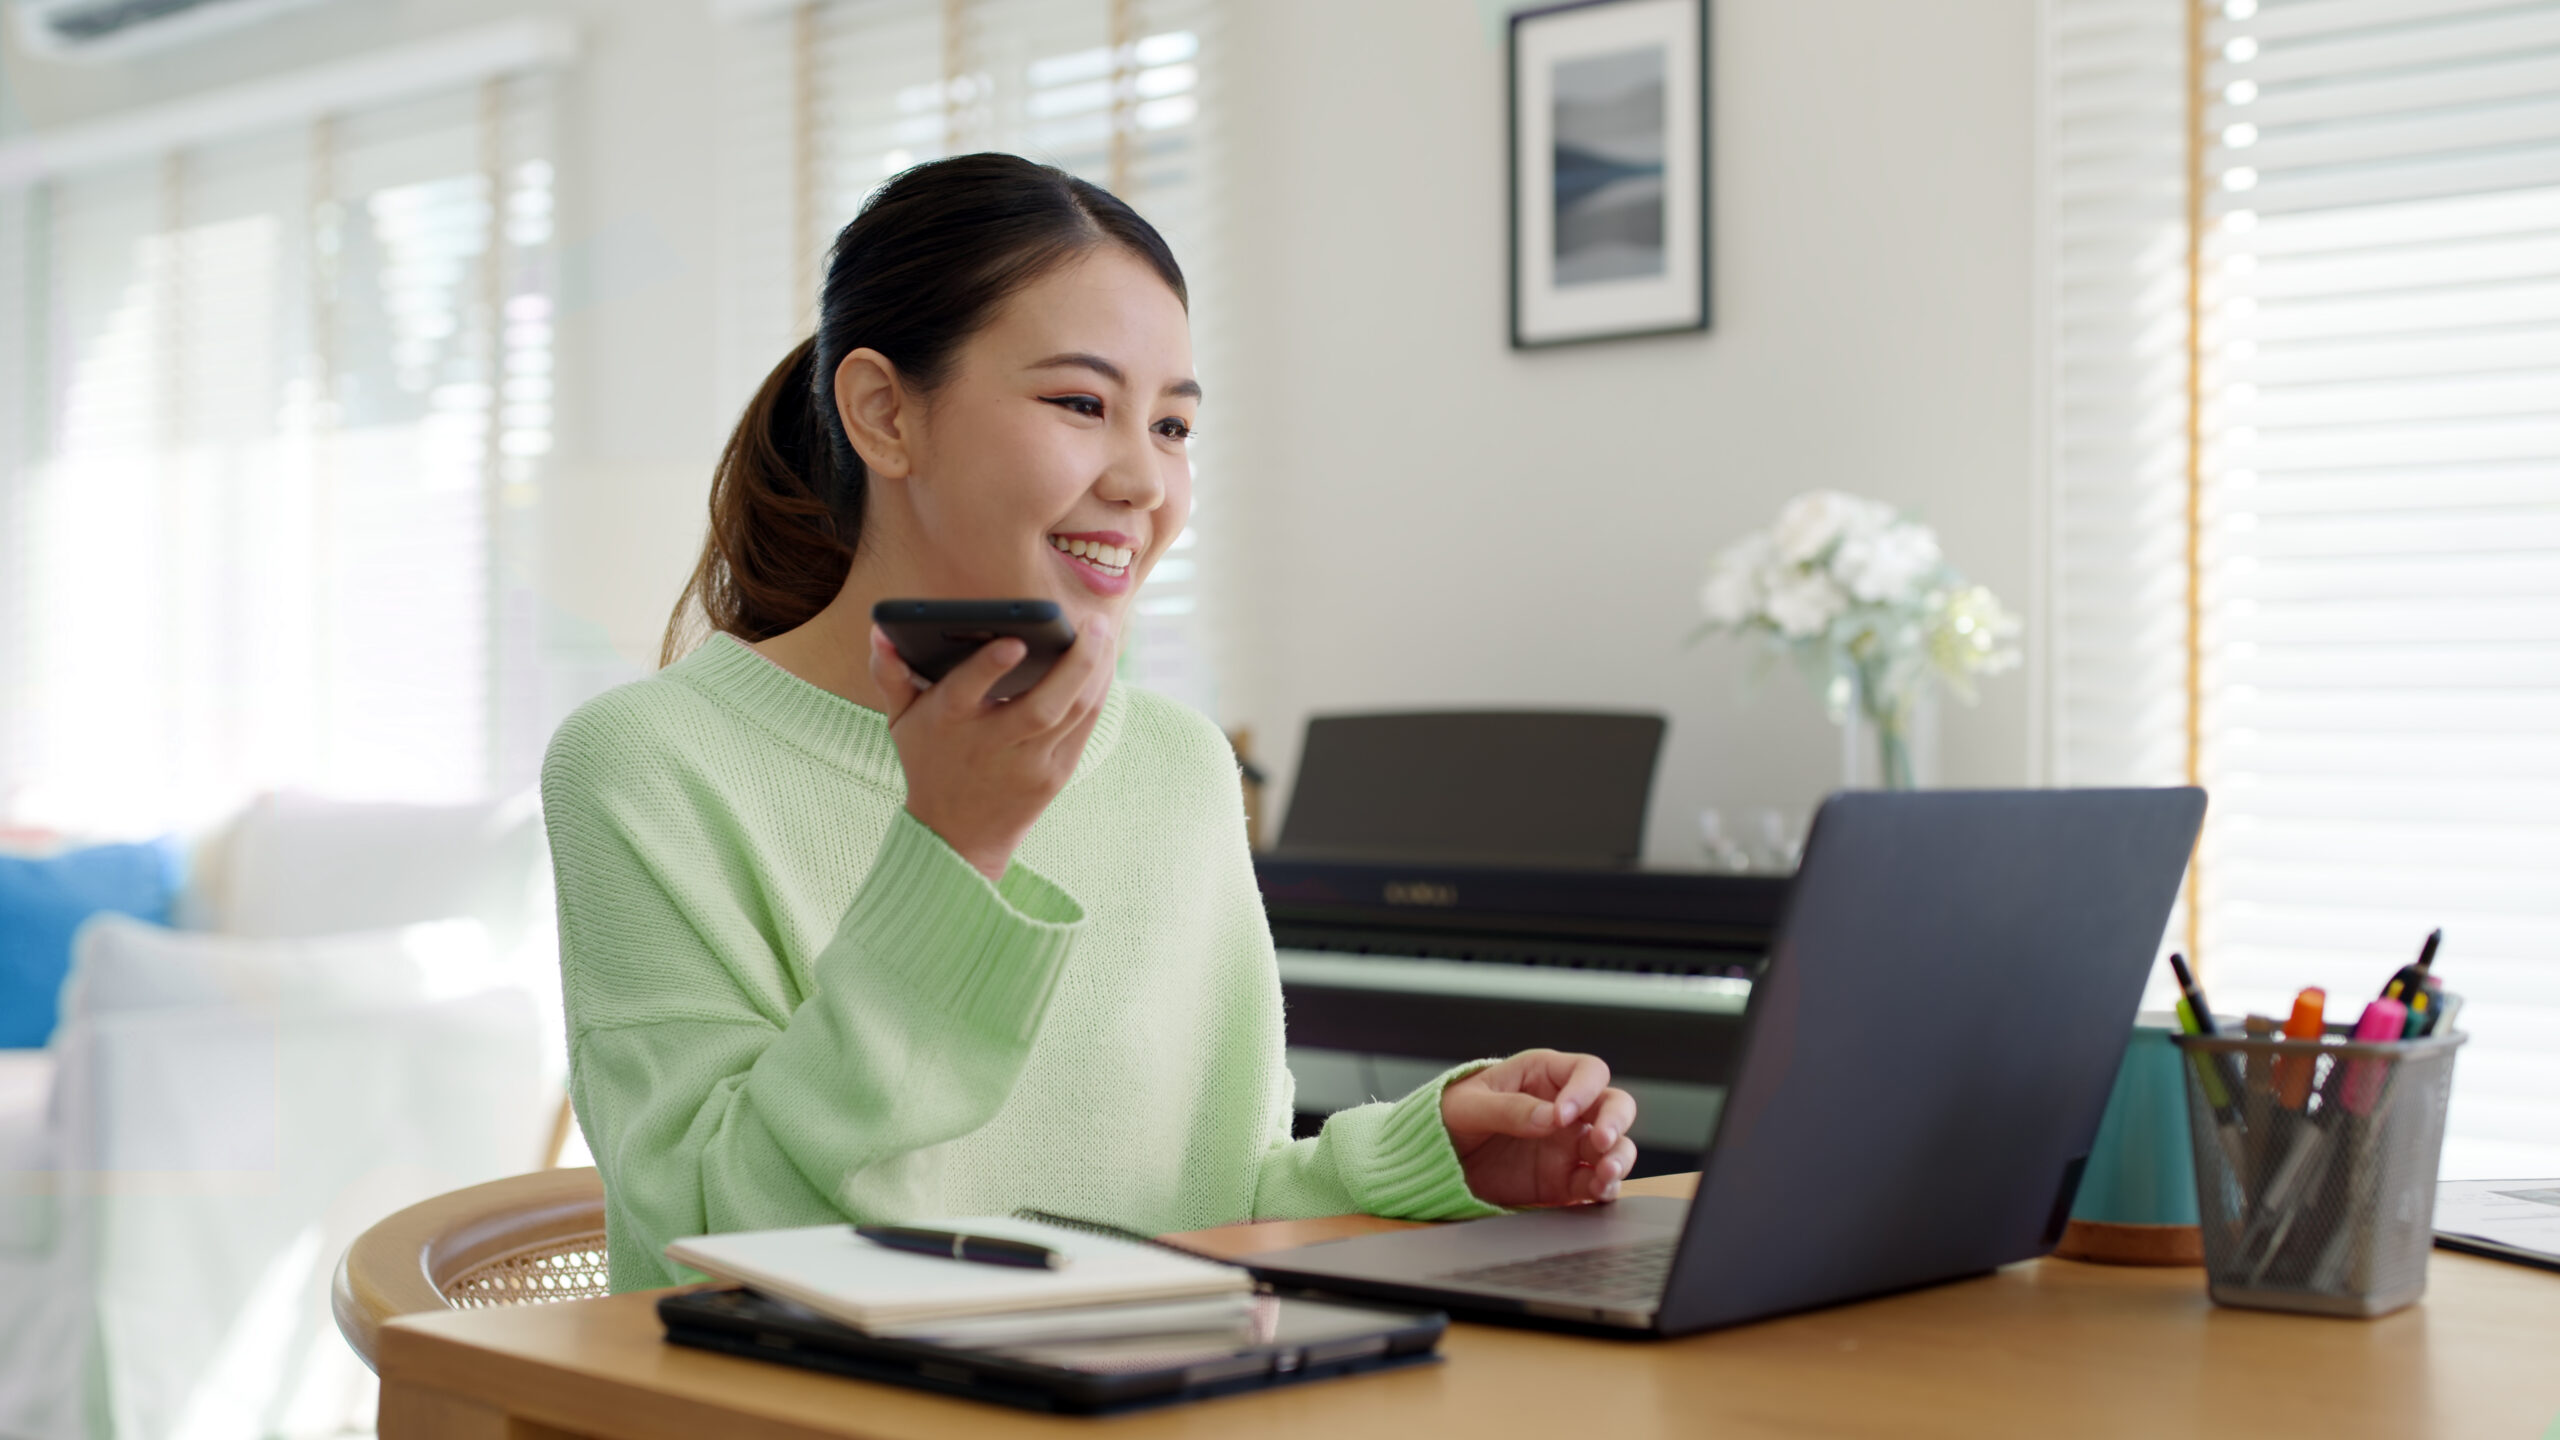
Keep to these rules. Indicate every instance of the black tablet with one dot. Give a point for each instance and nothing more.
(1286, 1341)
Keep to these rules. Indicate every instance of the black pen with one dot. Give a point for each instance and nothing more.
(952, 1245)
(2413, 975)
(2221, 1087)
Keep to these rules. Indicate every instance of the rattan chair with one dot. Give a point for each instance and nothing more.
(527, 1239)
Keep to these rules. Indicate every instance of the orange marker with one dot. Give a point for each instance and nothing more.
(2293, 1072)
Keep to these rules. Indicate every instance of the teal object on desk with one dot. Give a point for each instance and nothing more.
(2142, 1170)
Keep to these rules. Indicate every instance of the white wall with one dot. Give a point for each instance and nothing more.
(1412, 514)
(1425, 517)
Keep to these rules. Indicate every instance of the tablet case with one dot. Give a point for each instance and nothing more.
(741, 1322)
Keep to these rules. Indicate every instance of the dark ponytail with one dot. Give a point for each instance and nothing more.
(922, 268)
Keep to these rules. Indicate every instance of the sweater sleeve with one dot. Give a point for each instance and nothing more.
(1388, 1158)
(710, 1107)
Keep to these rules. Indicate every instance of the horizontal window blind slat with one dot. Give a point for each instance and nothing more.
(2506, 393)
(2390, 887)
(2463, 263)
(2436, 136)
(2348, 930)
(2418, 846)
(2347, 766)
(2460, 218)
(2376, 571)
(2497, 956)
(2516, 77)
(2469, 664)
(2342, 17)
(2364, 709)
(2485, 350)
(2306, 475)
(2352, 623)
(2516, 167)
(2421, 313)
(2272, 451)
(2520, 802)
(2444, 42)
(2427, 488)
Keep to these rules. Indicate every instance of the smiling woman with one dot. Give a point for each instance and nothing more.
(840, 945)
(791, 493)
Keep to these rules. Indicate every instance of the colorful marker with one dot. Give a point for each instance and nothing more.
(2449, 1007)
(2382, 1020)
(2421, 1009)
(2408, 978)
(2196, 1018)
(2294, 1072)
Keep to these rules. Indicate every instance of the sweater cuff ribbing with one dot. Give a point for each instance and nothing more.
(987, 954)
(1397, 1160)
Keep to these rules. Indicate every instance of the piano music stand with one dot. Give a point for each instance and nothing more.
(1556, 789)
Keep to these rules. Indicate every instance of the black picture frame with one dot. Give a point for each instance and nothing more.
(1621, 290)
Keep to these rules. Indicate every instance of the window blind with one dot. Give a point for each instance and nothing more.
(2115, 241)
(2377, 536)
(280, 392)
(821, 103)
(2381, 539)
(2113, 223)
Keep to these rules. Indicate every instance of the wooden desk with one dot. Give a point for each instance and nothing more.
(2050, 1347)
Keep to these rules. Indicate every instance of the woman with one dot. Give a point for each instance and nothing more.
(837, 944)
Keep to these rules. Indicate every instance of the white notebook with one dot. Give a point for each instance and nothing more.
(844, 1277)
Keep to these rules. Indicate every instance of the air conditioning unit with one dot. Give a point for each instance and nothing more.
(114, 29)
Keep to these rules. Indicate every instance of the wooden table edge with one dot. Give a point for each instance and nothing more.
(440, 1379)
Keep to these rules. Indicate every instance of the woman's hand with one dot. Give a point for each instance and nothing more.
(979, 772)
(1541, 1128)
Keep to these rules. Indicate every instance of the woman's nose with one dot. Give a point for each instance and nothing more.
(1131, 477)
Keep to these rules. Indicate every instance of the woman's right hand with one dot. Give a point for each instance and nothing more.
(979, 772)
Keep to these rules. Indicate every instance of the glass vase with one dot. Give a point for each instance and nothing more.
(1875, 753)
(1893, 753)
(1876, 741)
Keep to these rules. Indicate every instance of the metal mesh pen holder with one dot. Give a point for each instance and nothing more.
(2316, 1167)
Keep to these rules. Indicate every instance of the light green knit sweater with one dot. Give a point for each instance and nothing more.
(790, 1003)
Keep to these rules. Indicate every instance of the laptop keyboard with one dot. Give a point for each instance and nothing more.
(1633, 1273)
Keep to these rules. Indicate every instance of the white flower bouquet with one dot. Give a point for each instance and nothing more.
(1864, 601)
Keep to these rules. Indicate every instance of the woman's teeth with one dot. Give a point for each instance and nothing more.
(1109, 559)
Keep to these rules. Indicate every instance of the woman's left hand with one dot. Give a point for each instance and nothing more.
(1541, 1128)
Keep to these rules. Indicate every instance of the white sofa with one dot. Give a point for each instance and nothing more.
(359, 1010)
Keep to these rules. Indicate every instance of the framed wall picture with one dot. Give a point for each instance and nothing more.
(1608, 170)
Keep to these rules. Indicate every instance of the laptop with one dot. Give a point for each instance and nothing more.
(1924, 1063)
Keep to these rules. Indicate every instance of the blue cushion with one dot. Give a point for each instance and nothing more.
(43, 901)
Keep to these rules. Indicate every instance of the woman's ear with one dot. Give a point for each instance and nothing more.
(880, 415)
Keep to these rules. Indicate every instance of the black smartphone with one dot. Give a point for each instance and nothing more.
(933, 636)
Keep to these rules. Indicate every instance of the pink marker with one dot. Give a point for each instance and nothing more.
(2382, 1020)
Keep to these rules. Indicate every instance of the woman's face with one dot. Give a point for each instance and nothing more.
(1053, 461)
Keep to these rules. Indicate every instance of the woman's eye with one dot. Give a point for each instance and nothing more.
(1081, 404)
(1174, 427)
